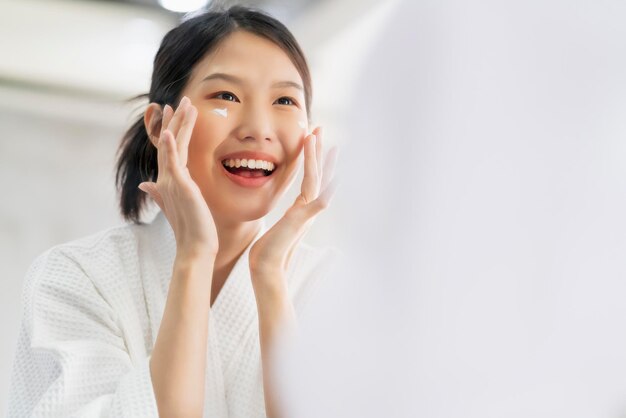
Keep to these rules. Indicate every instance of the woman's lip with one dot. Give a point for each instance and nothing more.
(251, 182)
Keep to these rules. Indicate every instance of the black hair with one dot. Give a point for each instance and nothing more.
(181, 49)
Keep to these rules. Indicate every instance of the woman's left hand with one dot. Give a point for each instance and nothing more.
(270, 255)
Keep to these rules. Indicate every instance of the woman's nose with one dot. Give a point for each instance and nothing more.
(256, 123)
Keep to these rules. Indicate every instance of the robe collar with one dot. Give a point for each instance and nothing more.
(233, 320)
(235, 304)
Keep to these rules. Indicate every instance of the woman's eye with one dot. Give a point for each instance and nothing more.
(227, 96)
(285, 101)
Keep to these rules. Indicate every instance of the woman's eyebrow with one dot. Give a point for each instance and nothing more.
(237, 80)
(287, 84)
(223, 76)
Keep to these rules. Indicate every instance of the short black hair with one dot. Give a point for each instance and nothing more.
(181, 49)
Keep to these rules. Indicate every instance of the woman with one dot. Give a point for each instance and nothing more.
(178, 317)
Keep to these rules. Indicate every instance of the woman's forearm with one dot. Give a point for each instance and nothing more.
(276, 318)
(178, 360)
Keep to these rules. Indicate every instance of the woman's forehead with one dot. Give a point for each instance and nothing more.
(248, 57)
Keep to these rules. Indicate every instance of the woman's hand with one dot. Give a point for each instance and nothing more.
(270, 255)
(175, 192)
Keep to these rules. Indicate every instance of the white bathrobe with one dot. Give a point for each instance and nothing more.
(92, 310)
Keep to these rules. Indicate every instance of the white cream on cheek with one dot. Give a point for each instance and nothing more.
(222, 112)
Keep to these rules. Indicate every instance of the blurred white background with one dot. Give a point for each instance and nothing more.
(486, 265)
(66, 69)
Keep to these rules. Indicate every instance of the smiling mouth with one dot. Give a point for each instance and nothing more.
(249, 168)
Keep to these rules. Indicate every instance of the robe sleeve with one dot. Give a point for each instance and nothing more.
(71, 358)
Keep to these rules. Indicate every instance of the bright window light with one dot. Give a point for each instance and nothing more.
(183, 6)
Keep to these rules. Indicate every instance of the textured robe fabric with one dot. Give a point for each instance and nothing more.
(92, 310)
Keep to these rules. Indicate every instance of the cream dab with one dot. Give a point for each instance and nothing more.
(302, 124)
(221, 112)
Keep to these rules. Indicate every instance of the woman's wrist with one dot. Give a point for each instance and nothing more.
(273, 301)
(195, 254)
(197, 267)
(269, 283)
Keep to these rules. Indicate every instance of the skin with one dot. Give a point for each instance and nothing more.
(214, 219)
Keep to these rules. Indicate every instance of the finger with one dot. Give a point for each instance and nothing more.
(151, 190)
(184, 134)
(323, 200)
(318, 149)
(330, 163)
(310, 180)
(327, 194)
(329, 187)
(168, 112)
(299, 235)
(171, 154)
(161, 155)
(178, 117)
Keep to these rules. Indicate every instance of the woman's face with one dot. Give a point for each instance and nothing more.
(251, 106)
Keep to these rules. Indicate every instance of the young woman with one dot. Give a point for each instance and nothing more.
(178, 317)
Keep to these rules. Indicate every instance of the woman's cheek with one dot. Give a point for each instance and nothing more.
(208, 128)
(296, 119)
(294, 127)
(295, 156)
(205, 138)
(293, 145)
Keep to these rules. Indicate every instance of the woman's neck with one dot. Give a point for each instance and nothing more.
(233, 239)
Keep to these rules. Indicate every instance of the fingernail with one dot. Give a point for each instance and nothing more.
(184, 100)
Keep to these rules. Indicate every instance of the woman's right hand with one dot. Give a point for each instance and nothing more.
(175, 192)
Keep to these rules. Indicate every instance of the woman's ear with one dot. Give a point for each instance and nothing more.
(152, 120)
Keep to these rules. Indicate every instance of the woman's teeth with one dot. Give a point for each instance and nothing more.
(251, 164)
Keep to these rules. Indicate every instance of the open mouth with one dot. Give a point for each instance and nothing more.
(249, 168)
